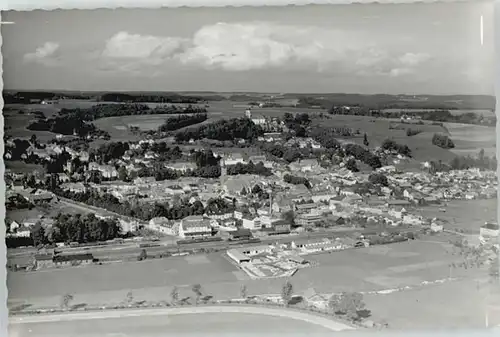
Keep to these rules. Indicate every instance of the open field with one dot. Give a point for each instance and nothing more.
(21, 167)
(453, 305)
(484, 112)
(175, 321)
(469, 139)
(470, 214)
(375, 268)
(51, 211)
(378, 130)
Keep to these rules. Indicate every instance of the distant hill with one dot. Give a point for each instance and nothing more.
(325, 100)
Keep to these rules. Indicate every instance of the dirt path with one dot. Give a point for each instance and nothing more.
(309, 318)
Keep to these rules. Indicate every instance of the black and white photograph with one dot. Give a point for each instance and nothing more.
(270, 170)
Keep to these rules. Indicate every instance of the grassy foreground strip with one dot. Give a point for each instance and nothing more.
(280, 312)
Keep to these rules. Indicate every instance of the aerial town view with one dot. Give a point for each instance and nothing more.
(298, 169)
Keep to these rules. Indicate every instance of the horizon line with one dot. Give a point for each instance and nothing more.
(241, 92)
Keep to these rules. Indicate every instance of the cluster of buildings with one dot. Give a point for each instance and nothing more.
(332, 197)
(280, 260)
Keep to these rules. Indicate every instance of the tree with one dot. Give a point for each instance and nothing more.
(443, 141)
(286, 293)
(130, 297)
(174, 295)
(65, 300)
(122, 173)
(143, 255)
(256, 189)
(197, 291)
(347, 303)
(243, 291)
(365, 140)
(38, 234)
(481, 155)
(378, 179)
(289, 217)
(351, 165)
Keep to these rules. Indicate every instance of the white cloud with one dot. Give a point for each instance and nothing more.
(146, 47)
(414, 59)
(45, 54)
(396, 72)
(264, 45)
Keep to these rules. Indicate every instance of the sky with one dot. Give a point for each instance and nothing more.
(394, 49)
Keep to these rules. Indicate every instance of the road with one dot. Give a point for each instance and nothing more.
(174, 321)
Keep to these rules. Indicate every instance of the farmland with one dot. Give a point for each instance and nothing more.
(468, 215)
(467, 138)
(375, 268)
(379, 130)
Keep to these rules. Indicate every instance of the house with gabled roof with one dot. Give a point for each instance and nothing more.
(314, 299)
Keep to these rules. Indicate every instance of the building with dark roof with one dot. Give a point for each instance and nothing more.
(73, 259)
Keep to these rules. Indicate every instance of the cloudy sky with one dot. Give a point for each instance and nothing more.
(424, 48)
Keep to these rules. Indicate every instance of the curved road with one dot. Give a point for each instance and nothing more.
(153, 322)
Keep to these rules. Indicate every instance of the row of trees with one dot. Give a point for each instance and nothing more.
(226, 129)
(443, 141)
(141, 98)
(480, 161)
(179, 209)
(290, 179)
(391, 145)
(163, 173)
(363, 155)
(17, 149)
(437, 115)
(117, 110)
(250, 168)
(378, 179)
(76, 228)
(181, 121)
(68, 125)
(298, 123)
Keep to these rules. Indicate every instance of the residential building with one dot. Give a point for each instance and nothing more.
(174, 190)
(259, 120)
(195, 226)
(251, 222)
(322, 196)
(43, 261)
(233, 159)
(74, 187)
(308, 219)
(257, 159)
(305, 208)
(256, 250)
(281, 226)
(240, 234)
(72, 259)
(489, 230)
(313, 299)
(306, 165)
(181, 166)
(41, 197)
(436, 228)
(238, 256)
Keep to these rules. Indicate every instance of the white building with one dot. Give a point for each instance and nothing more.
(489, 231)
(195, 226)
(251, 223)
(181, 167)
